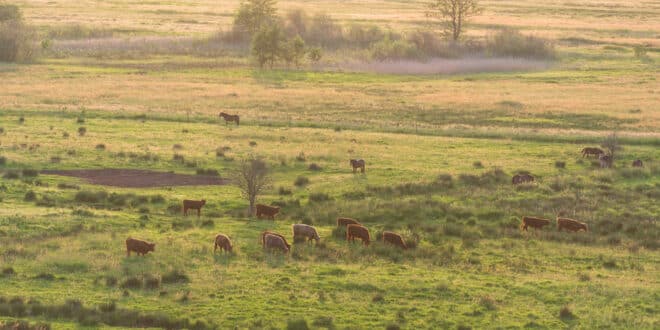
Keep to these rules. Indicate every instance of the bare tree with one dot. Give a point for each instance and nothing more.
(252, 177)
(453, 14)
(611, 145)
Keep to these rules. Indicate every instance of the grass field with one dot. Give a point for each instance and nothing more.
(440, 152)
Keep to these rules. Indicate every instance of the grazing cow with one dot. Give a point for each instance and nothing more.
(275, 242)
(229, 118)
(193, 205)
(304, 231)
(341, 222)
(570, 225)
(223, 242)
(536, 223)
(267, 232)
(522, 178)
(394, 239)
(605, 161)
(359, 231)
(637, 163)
(138, 246)
(588, 151)
(357, 163)
(269, 211)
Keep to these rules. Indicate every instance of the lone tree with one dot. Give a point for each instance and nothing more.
(252, 177)
(268, 44)
(453, 14)
(611, 144)
(253, 15)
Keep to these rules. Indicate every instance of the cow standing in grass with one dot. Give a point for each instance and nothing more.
(268, 232)
(268, 211)
(272, 241)
(357, 231)
(358, 164)
(305, 232)
(571, 225)
(139, 246)
(230, 118)
(223, 242)
(193, 205)
(342, 222)
(394, 239)
(637, 163)
(536, 223)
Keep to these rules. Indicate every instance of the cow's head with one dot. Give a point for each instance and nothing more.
(152, 247)
(203, 201)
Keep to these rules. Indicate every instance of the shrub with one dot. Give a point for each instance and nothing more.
(151, 282)
(21, 120)
(82, 131)
(65, 135)
(30, 196)
(510, 42)
(3, 160)
(91, 197)
(132, 282)
(478, 164)
(297, 324)
(8, 271)
(80, 120)
(253, 143)
(566, 313)
(210, 172)
(177, 146)
(2, 130)
(388, 49)
(100, 146)
(319, 197)
(175, 276)
(314, 167)
(560, 164)
(29, 172)
(55, 159)
(301, 157)
(301, 181)
(284, 191)
(178, 158)
(45, 277)
(63, 185)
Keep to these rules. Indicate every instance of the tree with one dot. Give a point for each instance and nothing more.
(293, 51)
(252, 177)
(315, 54)
(267, 45)
(253, 15)
(611, 144)
(16, 38)
(453, 14)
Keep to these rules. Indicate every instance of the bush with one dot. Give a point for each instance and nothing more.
(284, 191)
(132, 282)
(319, 197)
(560, 164)
(297, 324)
(512, 43)
(566, 313)
(91, 197)
(210, 172)
(82, 131)
(100, 146)
(16, 39)
(301, 181)
(388, 49)
(30, 196)
(178, 158)
(3, 160)
(175, 276)
(314, 167)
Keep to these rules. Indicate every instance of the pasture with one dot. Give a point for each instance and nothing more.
(440, 151)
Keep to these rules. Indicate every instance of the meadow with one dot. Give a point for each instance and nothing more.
(440, 152)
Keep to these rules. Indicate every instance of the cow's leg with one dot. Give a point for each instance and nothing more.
(128, 252)
(185, 211)
(199, 211)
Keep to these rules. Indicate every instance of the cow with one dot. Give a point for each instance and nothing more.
(194, 205)
(588, 151)
(304, 231)
(267, 232)
(637, 163)
(269, 211)
(571, 225)
(342, 222)
(229, 118)
(138, 246)
(605, 161)
(522, 178)
(223, 242)
(536, 223)
(359, 231)
(275, 242)
(357, 163)
(394, 239)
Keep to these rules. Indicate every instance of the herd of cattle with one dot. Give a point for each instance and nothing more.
(274, 241)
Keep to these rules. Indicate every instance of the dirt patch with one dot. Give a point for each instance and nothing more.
(128, 178)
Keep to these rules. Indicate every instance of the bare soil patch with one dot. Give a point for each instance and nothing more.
(131, 178)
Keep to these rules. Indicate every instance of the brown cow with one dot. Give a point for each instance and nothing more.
(394, 239)
(304, 231)
(571, 225)
(357, 163)
(267, 232)
(138, 246)
(229, 118)
(588, 151)
(269, 211)
(275, 242)
(359, 231)
(522, 178)
(341, 222)
(536, 223)
(223, 242)
(193, 205)
(637, 163)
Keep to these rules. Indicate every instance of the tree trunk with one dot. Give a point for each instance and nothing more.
(252, 202)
